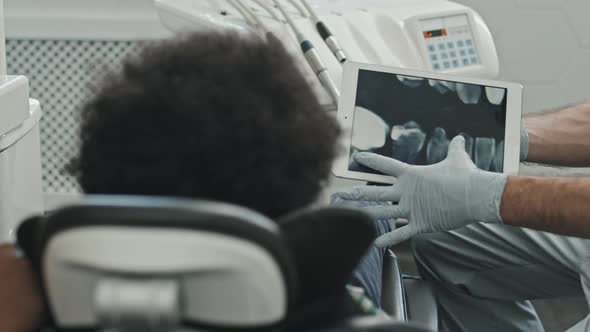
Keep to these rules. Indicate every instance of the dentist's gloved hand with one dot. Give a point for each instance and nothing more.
(440, 197)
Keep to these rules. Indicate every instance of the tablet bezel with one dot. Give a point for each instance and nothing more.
(348, 102)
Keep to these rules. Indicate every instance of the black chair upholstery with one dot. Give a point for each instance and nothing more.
(370, 324)
(327, 245)
(316, 251)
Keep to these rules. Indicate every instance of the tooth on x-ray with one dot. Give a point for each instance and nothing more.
(468, 144)
(451, 85)
(439, 86)
(495, 95)
(499, 158)
(469, 93)
(369, 130)
(437, 147)
(408, 141)
(485, 150)
(409, 81)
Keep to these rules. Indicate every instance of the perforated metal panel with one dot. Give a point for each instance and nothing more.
(60, 73)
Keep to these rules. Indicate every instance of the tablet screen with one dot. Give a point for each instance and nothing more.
(413, 119)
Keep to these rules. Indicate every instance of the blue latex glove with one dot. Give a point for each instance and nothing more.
(440, 197)
(356, 202)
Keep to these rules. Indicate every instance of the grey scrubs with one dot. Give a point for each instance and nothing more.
(486, 273)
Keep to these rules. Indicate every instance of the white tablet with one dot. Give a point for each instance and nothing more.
(412, 115)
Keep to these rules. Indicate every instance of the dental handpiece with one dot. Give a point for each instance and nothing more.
(313, 57)
(326, 34)
(317, 65)
(331, 41)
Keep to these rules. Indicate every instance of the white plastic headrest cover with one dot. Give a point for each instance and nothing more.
(223, 280)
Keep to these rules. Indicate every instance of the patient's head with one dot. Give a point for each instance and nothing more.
(213, 116)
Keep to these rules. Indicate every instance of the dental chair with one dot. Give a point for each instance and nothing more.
(156, 264)
(405, 297)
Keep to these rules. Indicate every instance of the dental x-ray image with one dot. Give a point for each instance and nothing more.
(413, 120)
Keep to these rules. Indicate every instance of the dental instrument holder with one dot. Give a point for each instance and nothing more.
(398, 33)
(21, 192)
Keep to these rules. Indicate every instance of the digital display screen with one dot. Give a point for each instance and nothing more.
(413, 119)
(435, 33)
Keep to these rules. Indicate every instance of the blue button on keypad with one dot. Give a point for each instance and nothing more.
(449, 53)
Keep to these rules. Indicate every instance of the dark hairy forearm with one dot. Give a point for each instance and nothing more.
(556, 205)
(561, 137)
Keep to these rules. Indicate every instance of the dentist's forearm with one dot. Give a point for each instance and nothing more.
(560, 138)
(556, 205)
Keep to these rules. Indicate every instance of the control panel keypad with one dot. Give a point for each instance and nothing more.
(453, 54)
(449, 42)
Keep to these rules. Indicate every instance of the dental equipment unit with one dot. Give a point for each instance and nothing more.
(431, 35)
(20, 157)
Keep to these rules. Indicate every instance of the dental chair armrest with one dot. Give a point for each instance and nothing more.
(392, 294)
(421, 302)
(26, 239)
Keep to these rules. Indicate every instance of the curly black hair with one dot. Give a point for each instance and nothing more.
(219, 116)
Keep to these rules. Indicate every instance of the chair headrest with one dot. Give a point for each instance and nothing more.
(231, 263)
